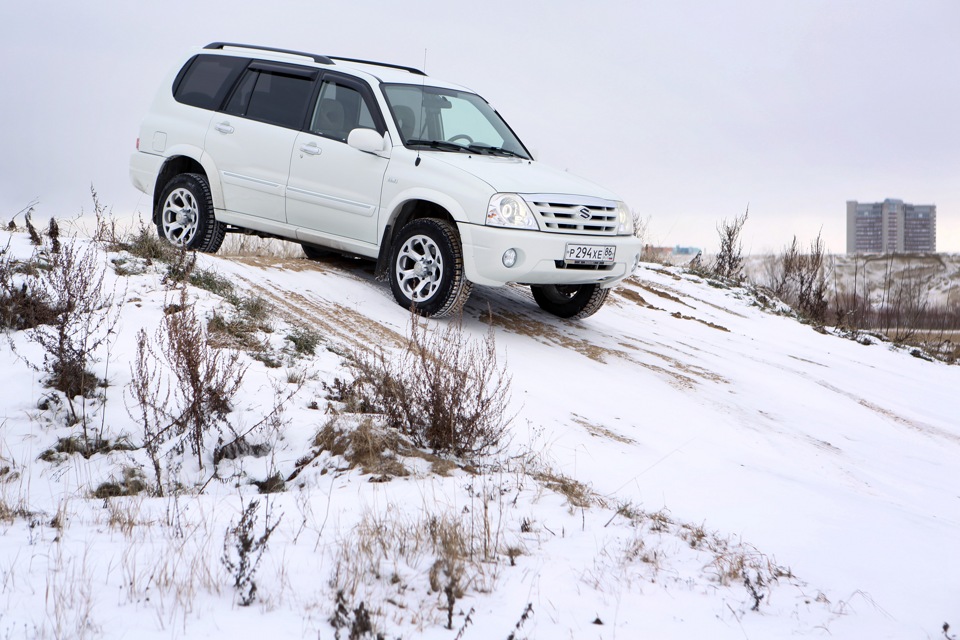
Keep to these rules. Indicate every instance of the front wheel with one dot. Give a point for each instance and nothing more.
(185, 214)
(570, 300)
(426, 268)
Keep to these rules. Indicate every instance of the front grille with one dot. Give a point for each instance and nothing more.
(570, 214)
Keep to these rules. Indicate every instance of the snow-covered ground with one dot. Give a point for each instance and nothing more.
(684, 464)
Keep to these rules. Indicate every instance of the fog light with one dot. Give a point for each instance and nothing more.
(509, 258)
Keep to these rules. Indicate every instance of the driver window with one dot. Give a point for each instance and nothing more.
(339, 110)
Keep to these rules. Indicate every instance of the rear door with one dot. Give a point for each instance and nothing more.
(333, 188)
(252, 139)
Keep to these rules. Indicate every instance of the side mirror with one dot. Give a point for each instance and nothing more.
(366, 140)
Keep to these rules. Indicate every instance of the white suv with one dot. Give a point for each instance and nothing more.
(380, 161)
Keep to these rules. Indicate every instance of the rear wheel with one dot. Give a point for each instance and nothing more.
(185, 214)
(570, 300)
(426, 268)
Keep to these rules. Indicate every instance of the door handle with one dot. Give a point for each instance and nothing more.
(223, 127)
(311, 149)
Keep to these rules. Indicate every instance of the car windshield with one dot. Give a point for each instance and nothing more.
(450, 120)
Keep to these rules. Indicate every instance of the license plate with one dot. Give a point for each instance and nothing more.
(590, 254)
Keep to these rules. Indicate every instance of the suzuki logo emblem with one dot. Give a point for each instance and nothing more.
(584, 213)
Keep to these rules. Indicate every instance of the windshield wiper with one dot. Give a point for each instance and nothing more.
(439, 144)
(483, 148)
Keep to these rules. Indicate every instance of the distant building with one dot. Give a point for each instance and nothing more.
(891, 226)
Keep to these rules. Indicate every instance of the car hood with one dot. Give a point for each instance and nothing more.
(515, 175)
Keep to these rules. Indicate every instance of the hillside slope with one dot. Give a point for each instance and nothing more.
(739, 475)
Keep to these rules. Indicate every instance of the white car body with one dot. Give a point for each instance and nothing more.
(348, 195)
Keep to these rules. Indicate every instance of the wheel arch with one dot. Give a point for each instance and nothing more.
(187, 161)
(418, 208)
(401, 215)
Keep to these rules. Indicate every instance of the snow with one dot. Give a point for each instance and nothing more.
(709, 429)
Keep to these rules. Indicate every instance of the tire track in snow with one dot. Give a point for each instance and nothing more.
(509, 308)
(331, 318)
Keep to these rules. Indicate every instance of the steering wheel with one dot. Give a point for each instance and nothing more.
(461, 135)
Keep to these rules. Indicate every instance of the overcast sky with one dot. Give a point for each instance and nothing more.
(691, 110)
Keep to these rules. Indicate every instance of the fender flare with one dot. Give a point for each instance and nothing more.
(199, 156)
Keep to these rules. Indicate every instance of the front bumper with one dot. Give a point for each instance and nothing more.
(538, 255)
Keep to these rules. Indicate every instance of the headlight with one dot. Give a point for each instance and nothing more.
(509, 210)
(624, 220)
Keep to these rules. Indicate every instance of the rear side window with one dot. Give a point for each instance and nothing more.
(205, 81)
(272, 94)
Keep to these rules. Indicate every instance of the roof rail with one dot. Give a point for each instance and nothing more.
(379, 64)
(312, 56)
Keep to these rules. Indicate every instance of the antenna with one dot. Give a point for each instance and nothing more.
(423, 83)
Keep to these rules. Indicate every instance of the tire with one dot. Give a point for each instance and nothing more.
(185, 214)
(570, 300)
(426, 268)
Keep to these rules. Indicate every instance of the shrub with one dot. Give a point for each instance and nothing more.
(130, 485)
(304, 341)
(898, 303)
(24, 303)
(243, 550)
(180, 268)
(105, 231)
(205, 381)
(84, 447)
(35, 238)
(445, 391)
(146, 244)
(374, 449)
(799, 279)
(212, 281)
(53, 232)
(729, 260)
(83, 318)
(238, 328)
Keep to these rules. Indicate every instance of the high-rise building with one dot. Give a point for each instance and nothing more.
(891, 226)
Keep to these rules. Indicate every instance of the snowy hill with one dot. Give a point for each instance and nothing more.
(686, 463)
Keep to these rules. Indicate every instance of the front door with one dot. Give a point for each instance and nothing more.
(333, 188)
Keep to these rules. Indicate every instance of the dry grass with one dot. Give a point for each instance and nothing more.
(12, 508)
(380, 564)
(373, 449)
(725, 561)
(125, 515)
(445, 391)
(131, 483)
(599, 431)
(578, 494)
